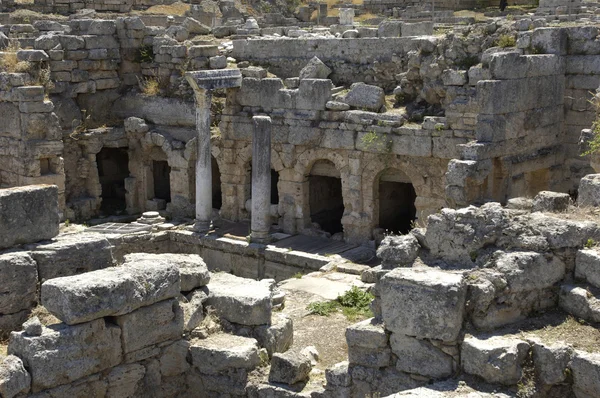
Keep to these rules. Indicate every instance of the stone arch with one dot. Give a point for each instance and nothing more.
(394, 200)
(325, 196)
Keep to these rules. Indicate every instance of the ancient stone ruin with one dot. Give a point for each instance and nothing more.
(277, 199)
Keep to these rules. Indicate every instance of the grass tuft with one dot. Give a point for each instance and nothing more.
(354, 304)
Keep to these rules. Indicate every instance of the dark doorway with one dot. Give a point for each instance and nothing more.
(397, 209)
(274, 191)
(113, 168)
(325, 197)
(162, 180)
(217, 198)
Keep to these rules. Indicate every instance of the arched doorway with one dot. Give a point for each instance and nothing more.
(161, 175)
(113, 168)
(217, 197)
(325, 196)
(396, 202)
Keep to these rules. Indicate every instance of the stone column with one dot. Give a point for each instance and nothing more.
(261, 179)
(203, 82)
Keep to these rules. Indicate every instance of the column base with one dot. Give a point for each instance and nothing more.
(259, 237)
(202, 226)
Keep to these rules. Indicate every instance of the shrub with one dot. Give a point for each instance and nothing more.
(506, 41)
(149, 86)
(353, 304)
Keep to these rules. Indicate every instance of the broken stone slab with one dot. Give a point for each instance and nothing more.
(368, 333)
(496, 359)
(193, 309)
(240, 300)
(437, 303)
(18, 290)
(551, 201)
(398, 251)
(192, 268)
(551, 361)
(579, 302)
(72, 254)
(365, 96)
(50, 358)
(589, 191)
(278, 336)
(151, 325)
(338, 375)
(289, 368)
(587, 266)
(221, 352)
(173, 359)
(29, 214)
(255, 72)
(110, 292)
(337, 106)
(315, 69)
(14, 379)
(526, 271)
(586, 374)
(195, 27)
(421, 357)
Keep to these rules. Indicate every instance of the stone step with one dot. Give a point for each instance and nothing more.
(581, 301)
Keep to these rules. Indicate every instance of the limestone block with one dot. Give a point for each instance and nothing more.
(495, 359)
(368, 334)
(173, 359)
(452, 77)
(102, 27)
(73, 254)
(221, 352)
(18, 290)
(278, 336)
(587, 266)
(151, 325)
(14, 379)
(240, 300)
(437, 303)
(109, 292)
(32, 55)
(369, 357)
(586, 374)
(398, 251)
(11, 120)
(389, 28)
(255, 72)
(313, 94)
(421, 357)
(551, 201)
(551, 40)
(177, 32)
(93, 347)
(551, 362)
(193, 309)
(589, 190)
(365, 96)
(123, 380)
(218, 62)
(29, 214)
(192, 268)
(195, 27)
(289, 368)
(417, 29)
(315, 69)
(338, 375)
(578, 302)
(526, 271)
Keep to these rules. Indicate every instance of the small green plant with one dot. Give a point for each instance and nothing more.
(505, 41)
(67, 223)
(538, 49)
(150, 86)
(323, 308)
(590, 243)
(145, 54)
(354, 304)
(376, 142)
(298, 275)
(439, 127)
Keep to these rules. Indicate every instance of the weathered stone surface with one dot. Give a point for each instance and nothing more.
(437, 300)
(364, 96)
(368, 333)
(587, 266)
(123, 380)
(289, 367)
(50, 358)
(369, 357)
(193, 309)
(551, 201)
(240, 300)
(589, 191)
(151, 325)
(73, 254)
(398, 251)
(529, 270)
(33, 327)
(315, 69)
(495, 359)
(586, 374)
(109, 292)
(195, 27)
(192, 268)
(579, 302)
(18, 290)
(14, 379)
(220, 352)
(28, 214)
(173, 359)
(278, 336)
(421, 357)
(551, 362)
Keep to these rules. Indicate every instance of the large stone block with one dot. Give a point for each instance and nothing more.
(587, 266)
(63, 354)
(18, 289)
(589, 190)
(28, 214)
(365, 96)
(313, 94)
(551, 362)
(586, 374)
(398, 251)
(14, 379)
(424, 303)
(192, 268)
(73, 254)
(526, 271)
(240, 300)
(278, 336)
(495, 359)
(421, 357)
(109, 292)
(151, 325)
(315, 69)
(289, 368)
(222, 352)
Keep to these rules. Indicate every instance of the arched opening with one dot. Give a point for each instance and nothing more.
(161, 173)
(113, 168)
(217, 198)
(325, 196)
(397, 210)
(274, 191)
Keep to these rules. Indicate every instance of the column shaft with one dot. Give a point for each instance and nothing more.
(261, 179)
(203, 161)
